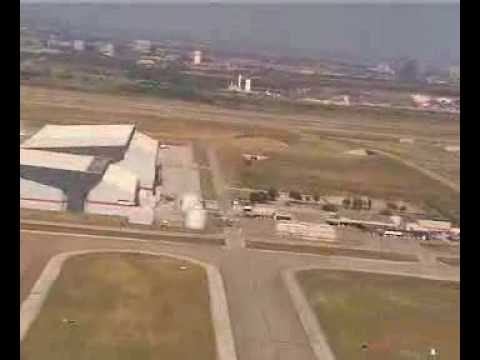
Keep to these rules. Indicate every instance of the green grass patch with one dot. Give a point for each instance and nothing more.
(399, 318)
(322, 166)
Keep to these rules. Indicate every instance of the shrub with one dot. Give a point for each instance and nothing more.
(272, 193)
(295, 195)
(392, 206)
(259, 196)
(357, 203)
(330, 207)
(386, 212)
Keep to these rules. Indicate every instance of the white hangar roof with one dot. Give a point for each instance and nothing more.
(118, 186)
(140, 159)
(71, 136)
(32, 190)
(55, 160)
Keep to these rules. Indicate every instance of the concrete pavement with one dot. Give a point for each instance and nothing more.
(265, 324)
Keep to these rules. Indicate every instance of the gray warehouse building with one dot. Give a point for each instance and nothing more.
(98, 167)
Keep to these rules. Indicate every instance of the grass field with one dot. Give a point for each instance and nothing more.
(449, 261)
(125, 307)
(399, 318)
(69, 217)
(301, 155)
(332, 251)
(316, 165)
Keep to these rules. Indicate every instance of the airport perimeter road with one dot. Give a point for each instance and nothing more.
(265, 324)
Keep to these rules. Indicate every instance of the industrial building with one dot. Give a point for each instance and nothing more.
(75, 175)
(109, 170)
(42, 197)
(93, 168)
(197, 57)
(78, 45)
(142, 46)
(307, 231)
(109, 141)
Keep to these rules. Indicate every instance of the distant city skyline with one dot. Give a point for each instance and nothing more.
(291, 2)
(370, 33)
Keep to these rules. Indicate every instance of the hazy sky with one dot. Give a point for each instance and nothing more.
(249, 1)
(367, 33)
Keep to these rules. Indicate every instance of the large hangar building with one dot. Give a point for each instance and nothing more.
(93, 168)
(108, 141)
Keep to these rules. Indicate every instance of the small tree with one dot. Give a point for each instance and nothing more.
(253, 197)
(403, 208)
(272, 193)
(346, 203)
(330, 207)
(369, 204)
(392, 206)
(386, 212)
(259, 197)
(263, 196)
(295, 195)
(357, 203)
(316, 197)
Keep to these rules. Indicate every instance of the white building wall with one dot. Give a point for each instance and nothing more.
(196, 219)
(108, 209)
(43, 205)
(310, 231)
(34, 195)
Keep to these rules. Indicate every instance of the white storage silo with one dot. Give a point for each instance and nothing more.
(196, 219)
(190, 201)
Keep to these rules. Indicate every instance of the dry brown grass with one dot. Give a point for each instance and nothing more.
(125, 307)
(397, 317)
(332, 251)
(303, 163)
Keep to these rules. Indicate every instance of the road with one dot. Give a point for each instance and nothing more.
(265, 324)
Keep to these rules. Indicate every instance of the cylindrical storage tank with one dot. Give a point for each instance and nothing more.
(196, 219)
(189, 201)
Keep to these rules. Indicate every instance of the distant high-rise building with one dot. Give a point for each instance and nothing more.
(239, 81)
(107, 49)
(248, 85)
(197, 57)
(78, 45)
(142, 46)
(454, 73)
